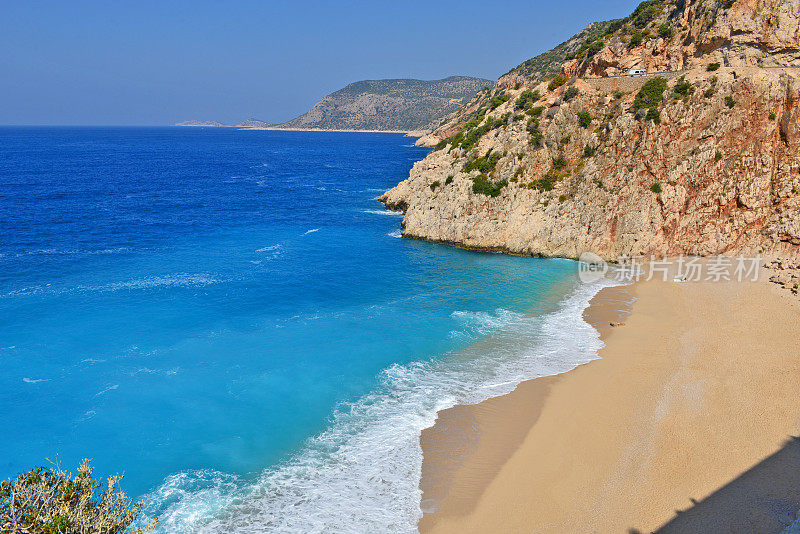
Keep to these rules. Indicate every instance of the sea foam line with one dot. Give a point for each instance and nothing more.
(362, 473)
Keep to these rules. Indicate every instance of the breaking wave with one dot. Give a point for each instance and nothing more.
(362, 473)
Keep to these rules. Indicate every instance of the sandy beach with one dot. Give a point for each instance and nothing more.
(685, 424)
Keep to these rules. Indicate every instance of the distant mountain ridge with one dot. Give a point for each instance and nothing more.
(254, 123)
(214, 124)
(390, 105)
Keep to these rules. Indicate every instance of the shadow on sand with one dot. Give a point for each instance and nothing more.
(763, 499)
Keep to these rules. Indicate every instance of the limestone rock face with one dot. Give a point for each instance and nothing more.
(719, 174)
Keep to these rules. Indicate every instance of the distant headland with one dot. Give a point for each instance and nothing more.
(396, 105)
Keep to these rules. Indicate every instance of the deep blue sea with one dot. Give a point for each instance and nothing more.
(232, 320)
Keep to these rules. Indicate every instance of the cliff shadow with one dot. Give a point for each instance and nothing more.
(763, 499)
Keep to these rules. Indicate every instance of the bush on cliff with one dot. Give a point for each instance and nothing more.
(543, 184)
(52, 501)
(594, 48)
(526, 99)
(535, 111)
(644, 13)
(570, 93)
(482, 185)
(498, 100)
(649, 96)
(584, 119)
(536, 135)
(682, 88)
(636, 39)
(485, 164)
(473, 131)
(557, 82)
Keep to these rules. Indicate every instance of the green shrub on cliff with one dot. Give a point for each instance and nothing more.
(535, 111)
(712, 67)
(644, 13)
(557, 82)
(682, 87)
(482, 185)
(536, 135)
(649, 96)
(584, 119)
(543, 184)
(485, 164)
(498, 100)
(656, 188)
(526, 99)
(570, 93)
(636, 39)
(52, 501)
(473, 131)
(594, 48)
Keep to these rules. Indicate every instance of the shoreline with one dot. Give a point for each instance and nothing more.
(664, 421)
(407, 133)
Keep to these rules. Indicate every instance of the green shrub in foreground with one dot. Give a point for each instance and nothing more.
(52, 501)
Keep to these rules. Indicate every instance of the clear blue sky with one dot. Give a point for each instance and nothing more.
(159, 62)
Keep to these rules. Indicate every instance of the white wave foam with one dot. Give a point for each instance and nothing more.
(34, 380)
(362, 473)
(148, 371)
(150, 282)
(269, 249)
(70, 252)
(173, 280)
(311, 231)
(106, 390)
(483, 323)
(398, 234)
(384, 212)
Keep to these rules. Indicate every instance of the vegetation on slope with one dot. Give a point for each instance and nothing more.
(403, 105)
(549, 63)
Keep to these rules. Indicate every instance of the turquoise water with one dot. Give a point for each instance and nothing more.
(231, 319)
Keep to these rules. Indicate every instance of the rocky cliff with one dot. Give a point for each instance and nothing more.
(702, 161)
(392, 105)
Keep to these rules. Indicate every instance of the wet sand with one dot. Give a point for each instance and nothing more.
(690, 409)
